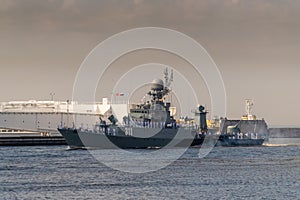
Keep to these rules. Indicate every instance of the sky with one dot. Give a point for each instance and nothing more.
(254, 43)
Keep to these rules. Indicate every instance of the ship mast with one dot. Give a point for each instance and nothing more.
(249, 105)
(168, 81)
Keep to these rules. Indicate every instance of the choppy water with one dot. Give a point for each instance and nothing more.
(52, 172)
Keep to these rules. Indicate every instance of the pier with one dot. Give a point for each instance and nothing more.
(36, 122)
(31, 140)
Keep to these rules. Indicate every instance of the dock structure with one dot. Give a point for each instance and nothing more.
(36, 122)
(31, 140)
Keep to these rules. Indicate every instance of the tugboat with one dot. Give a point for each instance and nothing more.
(249, 131)
(147, 125)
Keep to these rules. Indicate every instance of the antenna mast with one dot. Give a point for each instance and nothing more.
(168, 80)
(166, 73)
(249, 105)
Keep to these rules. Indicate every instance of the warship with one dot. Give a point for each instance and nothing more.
(149, 124)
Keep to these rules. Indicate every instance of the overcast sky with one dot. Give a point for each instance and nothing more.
(255, 44)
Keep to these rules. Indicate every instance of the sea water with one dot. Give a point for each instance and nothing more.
(53, 172)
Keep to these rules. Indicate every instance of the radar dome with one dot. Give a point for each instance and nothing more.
(157, 84)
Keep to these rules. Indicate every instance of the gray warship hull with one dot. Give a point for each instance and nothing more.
(165, 138)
